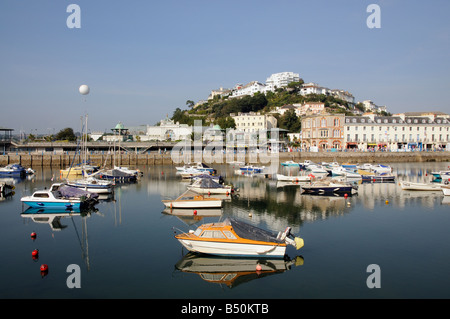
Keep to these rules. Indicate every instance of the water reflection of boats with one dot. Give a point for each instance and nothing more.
(6, 188)
(233, 237)
(295, 178)
(323, 187)
(233, 271)
(204, 212)
(383, 177)
(51, 216)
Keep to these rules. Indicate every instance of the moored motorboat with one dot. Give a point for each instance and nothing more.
(207, 185)
(411, 186)
(329, 187)
(192, 199)
(295, 178)
(251, 169)
(236, 238)
(13, 170)
(446, 190)
(55, 199)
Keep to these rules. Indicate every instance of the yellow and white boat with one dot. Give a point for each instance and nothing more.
(236, 238)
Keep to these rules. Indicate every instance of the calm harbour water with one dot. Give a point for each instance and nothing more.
(126, 248)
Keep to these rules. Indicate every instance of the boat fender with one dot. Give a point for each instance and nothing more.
(299, 243)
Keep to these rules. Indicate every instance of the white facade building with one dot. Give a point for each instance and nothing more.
(254, 121)
(282, 79)
(248, 89)
(399, 132)
(168, 130)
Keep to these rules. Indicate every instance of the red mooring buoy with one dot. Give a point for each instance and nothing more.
(44, 267)
(195, 212)
(33, 235)
(35, 253)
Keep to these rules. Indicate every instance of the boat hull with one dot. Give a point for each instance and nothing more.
(234, 249)
(193, 204)
(43, 204)
(420, 186)
(446, 190)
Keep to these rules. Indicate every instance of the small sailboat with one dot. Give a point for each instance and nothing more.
(192, 199)
(92, 184)
(233, 237)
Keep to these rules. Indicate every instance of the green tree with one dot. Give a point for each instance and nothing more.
(66, 134)
(190, 103)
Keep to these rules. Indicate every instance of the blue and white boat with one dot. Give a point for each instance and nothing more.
(441, 174)
(290, 164)
(13, 170)
(60, 196)
(251, 169)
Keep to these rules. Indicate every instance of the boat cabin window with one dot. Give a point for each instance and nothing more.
(41, 195)
(229, 234)
(213, 234)
(198, 232)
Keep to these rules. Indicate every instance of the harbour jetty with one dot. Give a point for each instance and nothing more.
(64, 160)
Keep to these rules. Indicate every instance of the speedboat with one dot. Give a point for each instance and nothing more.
(192, 199)
(341, 171)
(329, 187)
(54, 199)
(441, 174)
(236, 238)
(13, 170)
(381, 168)
(411, 186)
(384, 177)
(207, 185)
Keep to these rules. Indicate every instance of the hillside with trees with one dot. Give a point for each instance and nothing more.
(217, 110)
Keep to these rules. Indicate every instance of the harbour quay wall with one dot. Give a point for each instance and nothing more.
(133, 159)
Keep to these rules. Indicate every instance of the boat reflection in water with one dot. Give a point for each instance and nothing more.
(190, 216)
(53, 216)
(234, 271)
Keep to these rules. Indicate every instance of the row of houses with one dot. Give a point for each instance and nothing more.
(405, 131)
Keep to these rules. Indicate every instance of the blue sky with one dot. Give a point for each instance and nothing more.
(142, 59)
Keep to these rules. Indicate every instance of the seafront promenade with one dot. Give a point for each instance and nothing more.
(107, 160)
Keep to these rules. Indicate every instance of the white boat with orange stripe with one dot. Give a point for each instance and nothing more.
(236, 238)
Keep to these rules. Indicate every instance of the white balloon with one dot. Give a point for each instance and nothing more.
(84, 89)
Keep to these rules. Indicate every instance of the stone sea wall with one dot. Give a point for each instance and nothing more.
(52, 160)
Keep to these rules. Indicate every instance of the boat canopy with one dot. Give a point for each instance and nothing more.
(68, 191)
(248, 231)
(208, 182)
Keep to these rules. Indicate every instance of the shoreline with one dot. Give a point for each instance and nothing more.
(58, 160)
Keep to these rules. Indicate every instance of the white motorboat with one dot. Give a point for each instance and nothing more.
(405, 185)
(207, 185)
(297, 178)
(236, 238)
(54, 199)
(192, 199)
(446, 190)
(341, 171)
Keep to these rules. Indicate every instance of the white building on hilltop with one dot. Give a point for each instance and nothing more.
(248, 89)
(282, 79)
